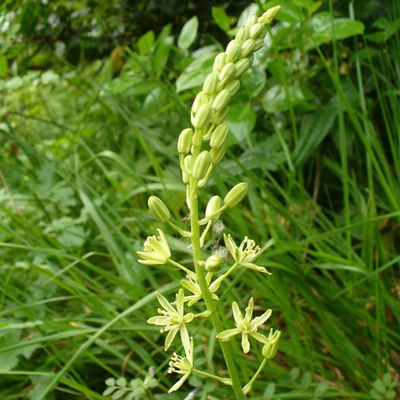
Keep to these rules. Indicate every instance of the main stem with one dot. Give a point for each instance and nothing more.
(207, 295)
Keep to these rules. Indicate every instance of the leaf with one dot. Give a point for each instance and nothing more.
(241, 120)
(9, 358)
(39, 384)
(188, 33)
(3, 66)
(220, 18)
(145, 43)
(324, 29)
(278, 98)
(162, 49)
(193, 76)
(313, 130)
(269, 391)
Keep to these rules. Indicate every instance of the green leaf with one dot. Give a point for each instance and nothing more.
(324, 29)
(241, 120)
(145, 43)
(3, 66)
(188, 33)
(269, 392)
(280, 98)
(162, 49)
(220, 18)
(118, 394)
(314, 128)
(39, 384)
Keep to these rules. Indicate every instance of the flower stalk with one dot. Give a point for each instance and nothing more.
(201, 148)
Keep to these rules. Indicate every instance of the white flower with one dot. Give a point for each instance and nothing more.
(245, 253)
(181, 365)
(246, 326)
(173, 319)
(156, 250)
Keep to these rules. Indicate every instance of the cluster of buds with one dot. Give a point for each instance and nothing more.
(210, 106)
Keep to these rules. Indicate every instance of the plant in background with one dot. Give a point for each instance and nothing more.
(200, 149)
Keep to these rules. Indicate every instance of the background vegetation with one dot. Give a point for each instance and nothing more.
(93, 96)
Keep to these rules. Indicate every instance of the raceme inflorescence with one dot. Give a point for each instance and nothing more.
(200, 149)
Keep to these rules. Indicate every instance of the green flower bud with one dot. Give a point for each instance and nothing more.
(243, 34)
(236, 194)
(219, 117)
(257, 31)
(233, 86)
(227, 72)
(219, 136)
(201, 119)
(158, 209)
(258, 43)
(217, 155)
(242, 66)
(200, 99)
(221, 100)
(233, 51)
(251, 20)
(201, 165)
(210, 83)
(271, 345)
(185, 141)
(187, 169)
(213, 263)
(269, 15)
(247, 47)
(212, 206)
(219, 62)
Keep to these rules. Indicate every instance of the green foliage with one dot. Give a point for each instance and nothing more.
(82, 151)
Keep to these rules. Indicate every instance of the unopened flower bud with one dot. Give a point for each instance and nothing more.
(243, 34)
(269, 15)
(219, 62)
(233, 86)
(271, 345)
(219, 117)
(213, 263)
(233, 51)
(236, 194)
(212, 206)
(242, 66)
(219, 136)
(201, 119)
(201, 165)
(247, 47)
(185, 141)
(159, 209)
(187, 169)
(221, 100)
(201, 98)
(210, 83)
(227, 72)
(258, 43)
(257, 31)
(251, 20)
(217, 155)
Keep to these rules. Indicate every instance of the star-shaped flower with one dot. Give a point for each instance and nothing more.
(181, 365)
(245, 253)
(246, 326)
(173, 319)
(156, 250)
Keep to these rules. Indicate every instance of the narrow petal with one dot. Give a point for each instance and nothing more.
(228, 334)
(178, 384)
(256, 268)
(249, 310)
(256, 322)
(245, 342)
(259, 337)
(165, 304)
(237, 315)
(170, 337)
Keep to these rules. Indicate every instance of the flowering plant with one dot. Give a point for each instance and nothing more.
(200, 149)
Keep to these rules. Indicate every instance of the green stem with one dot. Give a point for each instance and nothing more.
(249, 385)
(180, 266)
(225, 381)
(207, 295)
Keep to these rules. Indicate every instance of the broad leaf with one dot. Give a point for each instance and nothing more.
(188, 33)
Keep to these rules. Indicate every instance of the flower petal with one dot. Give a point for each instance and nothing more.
(228, 334)
(237, 315)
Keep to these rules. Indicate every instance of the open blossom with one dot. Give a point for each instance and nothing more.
(173, 319)
(246, 326)
(245, 253)
(182, 366)
(156, 250)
